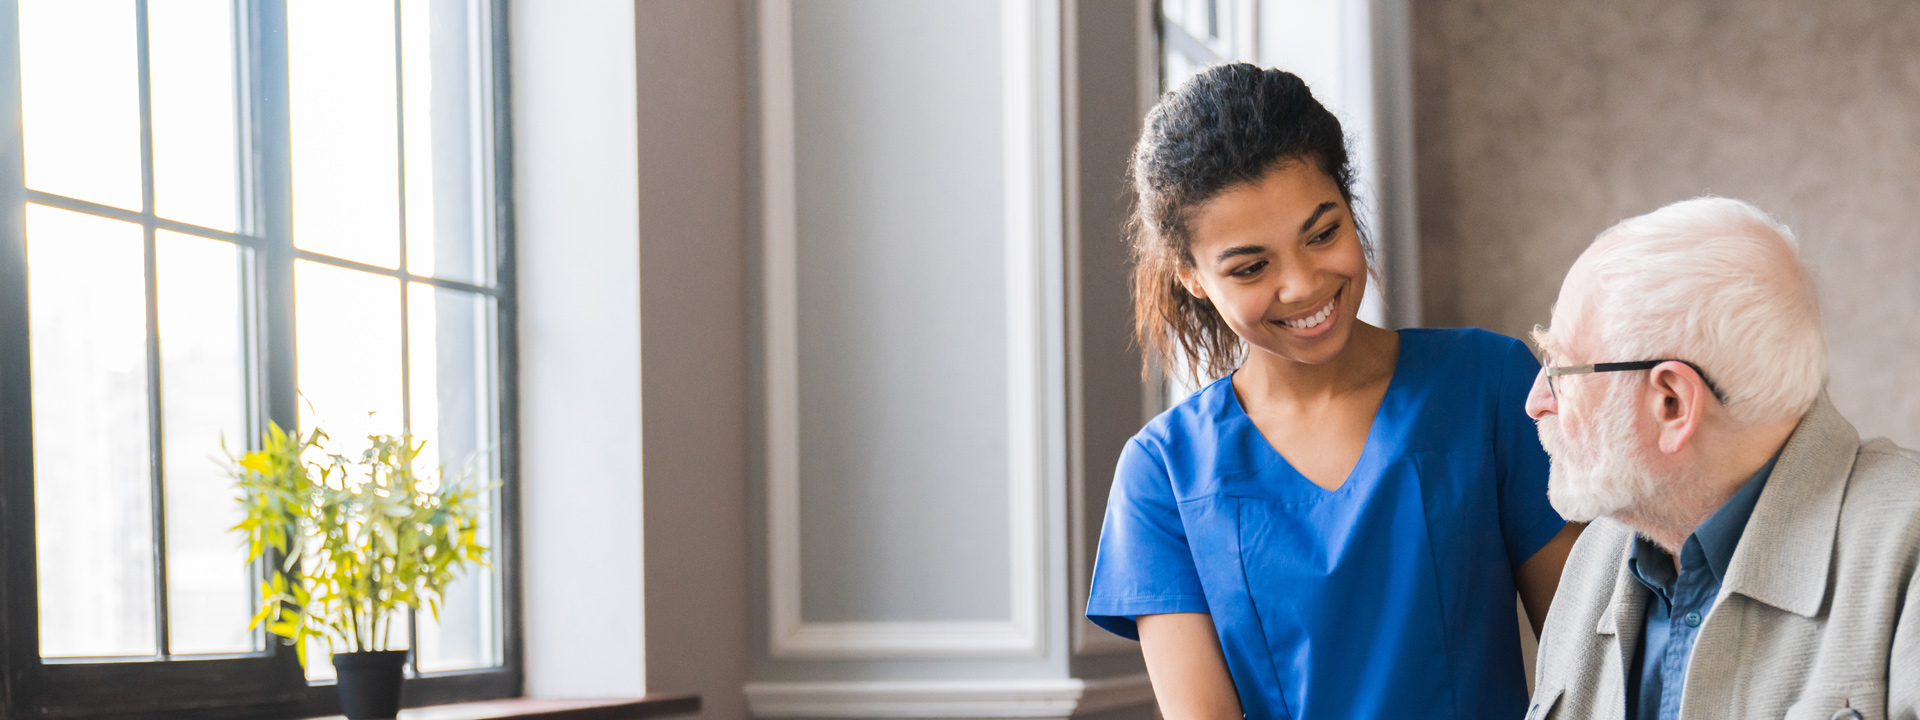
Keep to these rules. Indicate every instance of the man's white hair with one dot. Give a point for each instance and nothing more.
(1719, 283)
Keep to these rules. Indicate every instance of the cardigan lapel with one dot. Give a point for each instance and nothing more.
(1623, 619)
(1782, 559)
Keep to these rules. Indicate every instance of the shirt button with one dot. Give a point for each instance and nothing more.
(1693, 619)
(1846, 714)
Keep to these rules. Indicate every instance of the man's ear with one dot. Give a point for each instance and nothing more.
(1680, 397)
(1190, 282)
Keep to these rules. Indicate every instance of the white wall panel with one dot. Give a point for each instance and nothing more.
(904, 354)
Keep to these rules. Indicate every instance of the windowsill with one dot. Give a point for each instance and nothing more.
(647, 706)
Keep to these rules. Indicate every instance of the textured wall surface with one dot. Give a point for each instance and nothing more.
(1540, 124)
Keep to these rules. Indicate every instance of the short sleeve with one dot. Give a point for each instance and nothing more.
(1143, 566)
(1527, 519)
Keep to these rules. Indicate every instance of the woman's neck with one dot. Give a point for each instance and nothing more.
(1368, 358)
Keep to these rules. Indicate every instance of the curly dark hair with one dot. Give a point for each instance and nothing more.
(1228, 126)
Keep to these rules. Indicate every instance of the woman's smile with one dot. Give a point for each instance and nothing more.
(1314, 323)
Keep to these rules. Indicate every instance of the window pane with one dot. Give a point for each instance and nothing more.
(195, 139)
(203, 403)
(346, 196)
(451, 371)
(79, 84)
(93, 518)
(445, 236)
(347, 353)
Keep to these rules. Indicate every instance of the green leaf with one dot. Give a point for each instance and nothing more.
(285, 628)
(360, 536)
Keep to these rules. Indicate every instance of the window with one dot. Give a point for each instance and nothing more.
(219, 213)
(1195, 34)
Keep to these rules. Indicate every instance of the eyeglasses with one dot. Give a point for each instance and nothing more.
(1564, 370)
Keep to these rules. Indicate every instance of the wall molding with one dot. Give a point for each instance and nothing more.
(1020, 635)
(947, 698)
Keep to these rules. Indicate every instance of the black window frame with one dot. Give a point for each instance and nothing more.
(267, 684)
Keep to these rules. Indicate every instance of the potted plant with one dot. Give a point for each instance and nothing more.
(351, 545)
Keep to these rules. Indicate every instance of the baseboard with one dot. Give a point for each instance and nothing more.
(947, 698)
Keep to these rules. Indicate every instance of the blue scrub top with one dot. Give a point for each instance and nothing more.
(1390, 597)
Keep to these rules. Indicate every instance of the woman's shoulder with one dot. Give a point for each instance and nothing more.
(1463, 344)
(1199, 436)
(1455, 355)
(1195, 415)
(1466, 372)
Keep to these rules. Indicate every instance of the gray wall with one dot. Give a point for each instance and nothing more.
(1540, 124)
(903, 340)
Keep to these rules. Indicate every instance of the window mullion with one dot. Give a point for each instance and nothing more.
(406, 330)
(156, 488)
(246, 175)
(269, 192)
(273, 202)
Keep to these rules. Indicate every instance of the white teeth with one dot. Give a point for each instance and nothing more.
(1312, 321)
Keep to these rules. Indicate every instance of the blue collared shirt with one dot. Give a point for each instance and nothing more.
(1681, 600)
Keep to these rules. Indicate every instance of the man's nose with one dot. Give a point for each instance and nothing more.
(1540, 400)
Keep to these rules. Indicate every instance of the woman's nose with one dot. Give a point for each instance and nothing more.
(1296, 284)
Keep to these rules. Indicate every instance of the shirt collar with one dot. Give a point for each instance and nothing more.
(1651, 566)
(1720, 534)
(1717, 537)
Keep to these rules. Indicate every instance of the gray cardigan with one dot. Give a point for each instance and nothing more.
(1819, 612)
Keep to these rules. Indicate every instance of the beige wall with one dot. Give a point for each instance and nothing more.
(692, 112)
(1540, 124)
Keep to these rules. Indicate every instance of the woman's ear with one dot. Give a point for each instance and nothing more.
(1192, 284)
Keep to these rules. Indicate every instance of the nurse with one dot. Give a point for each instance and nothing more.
(1337, 527)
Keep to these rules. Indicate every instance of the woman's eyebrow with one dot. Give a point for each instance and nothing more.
(1237, 251)
(1315, 217)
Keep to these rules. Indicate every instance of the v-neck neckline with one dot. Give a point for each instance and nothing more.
(1368, 447)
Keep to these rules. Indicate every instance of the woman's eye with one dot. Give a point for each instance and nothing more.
(1325, 236)
(1249, 270)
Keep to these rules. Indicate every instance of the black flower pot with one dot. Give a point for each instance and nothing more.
(370, 683)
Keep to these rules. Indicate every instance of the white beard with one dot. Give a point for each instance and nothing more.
(1609, 475)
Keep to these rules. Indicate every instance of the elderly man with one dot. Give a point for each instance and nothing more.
(1749, 556)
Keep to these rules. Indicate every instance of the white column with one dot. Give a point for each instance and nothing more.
(576, 192)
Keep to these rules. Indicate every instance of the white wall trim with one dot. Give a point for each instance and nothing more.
(947, 698)
(1020, 635)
